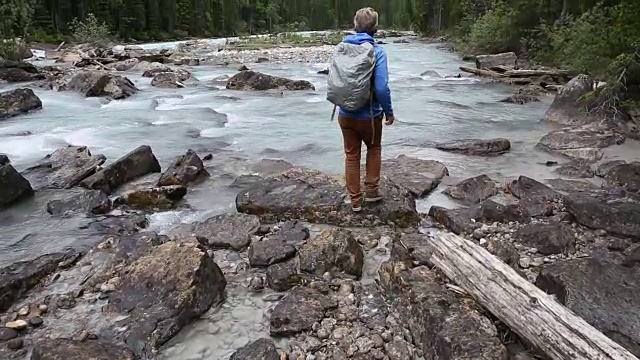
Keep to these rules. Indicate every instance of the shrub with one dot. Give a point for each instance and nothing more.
(91, 30)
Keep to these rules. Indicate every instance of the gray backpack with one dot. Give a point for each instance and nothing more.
(350, 76)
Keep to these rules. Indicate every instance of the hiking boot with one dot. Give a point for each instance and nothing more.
(355, 207)
(372, 197)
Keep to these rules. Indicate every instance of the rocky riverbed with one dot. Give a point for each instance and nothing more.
(122, 242)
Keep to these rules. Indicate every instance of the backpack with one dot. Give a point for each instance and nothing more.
(350, 76)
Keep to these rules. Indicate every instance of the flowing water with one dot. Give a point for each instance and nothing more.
(241, 128)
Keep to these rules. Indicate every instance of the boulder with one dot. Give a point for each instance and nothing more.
(17, 102)
(528, 188)
(96, 83)
(67, 349)
(548, 238)
(19, 50)
(603, 169)
(520, 99)
(269, 252)
(473, 190)
(261, 349)
(418, 176)
(626, 176)
(461, 221)
(64, 168)
(571, 185)
(18, 71)
(611, 212)
(152, 69)
(13, 186)
(4, 160)
(602, 293)
(135, 164)
(252, 80)
(167, 80)
(227, 231)
(185, 169)
(577, 168)
(157, 198)
(565, 109)
(579, 143)
(284, 276)
(298, 311)
(309, 195)
(437, 318)
(125, 65)
(18, 278)
(335, 251)
(476, 146)
(86, 202)
(506, 60)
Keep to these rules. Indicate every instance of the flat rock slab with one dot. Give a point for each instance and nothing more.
(579, 143)
(13, 186)
(611, 212)
(269, 252)
(626, 176)
(319, 198)
(227, 231)
(473, 190)
(334, 250)
(438, 319)
(571, 185)
(64, 168)
(602, 293)
(261, 349)
(463, 220)
(528, 188)
(67, 349)
(85, 202)
(298, 311)
(577, 168)
(420, 177)
(478, 147)
(604, 168)
(548, 238)
(252, 80)
(284, 276)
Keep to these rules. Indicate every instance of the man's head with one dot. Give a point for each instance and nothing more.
(366, 21)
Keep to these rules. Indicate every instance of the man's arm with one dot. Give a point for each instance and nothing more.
(381, 83)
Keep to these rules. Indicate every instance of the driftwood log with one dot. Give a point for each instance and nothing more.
(528, 311)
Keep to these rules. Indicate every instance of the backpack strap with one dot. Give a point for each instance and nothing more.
(333, 113)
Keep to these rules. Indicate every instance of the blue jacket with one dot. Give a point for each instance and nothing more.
(381, 91)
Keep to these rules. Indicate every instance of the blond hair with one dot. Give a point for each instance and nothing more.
(365, 20)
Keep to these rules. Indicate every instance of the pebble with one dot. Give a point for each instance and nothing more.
(539, 261)
(483, 242)
(35, 321)
(7, 334)
(525, 262)
(257, 283)
(17, 325)
(24, 311)
(15, 344)
(386, 336)
(107, 288)
(323, 333)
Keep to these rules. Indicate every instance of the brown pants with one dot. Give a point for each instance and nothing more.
(354, 133)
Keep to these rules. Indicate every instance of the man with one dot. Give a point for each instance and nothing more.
(357, 126)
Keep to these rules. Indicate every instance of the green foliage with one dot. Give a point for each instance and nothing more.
(493, 32)
(91, 30)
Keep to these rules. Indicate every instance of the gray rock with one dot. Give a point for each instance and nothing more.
(334, 250)
(565, 109)
(626, 176)
(571, 185)
(528, 188)
(286, 196)
(579, 143)
(101, 84)
(4, 160)
(577, 168)
(17, 102)
(269, 252)
(125, 65)
(67, 349)
(252, 80)
(602, 293)
(461, 221)
(18, 71)
(418, 176)
(520, 99)
(548, 238)
(284, 276)
(298, 311)
(227, 231)
(135, 164)
(185, 169)
(13, 186)
(604, 168)
(476, 146)
(505, 251)
(261, 349)
(87, 202)
(156, 198)
(610, 212)
(64, 168)
(473, 190)
(487, 62)
(167, 80)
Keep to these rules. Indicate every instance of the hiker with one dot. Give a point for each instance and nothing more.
(359, 85)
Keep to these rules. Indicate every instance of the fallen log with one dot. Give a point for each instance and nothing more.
(536, 73)
(481, 72)
(535, 316)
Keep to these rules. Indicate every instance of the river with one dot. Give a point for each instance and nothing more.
(241, 128)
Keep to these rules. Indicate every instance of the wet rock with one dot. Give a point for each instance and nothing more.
(284, 276)
(7, 334)
(261, 349)
(571, 185)
(298, 311)
(528, 188)
(245, 181)
(334, 250)
(67, 349)
(565, 109)
(252, 80)
(579, 143)
(372, 307)
(125, 65)
(431, 73)
(17, 325)
(17, 102)
(167, 80)
(458, 221)
(487, 62)
(473, 190)
(548, 238)
(604, 168)
(587, 287)
(309, 195)
(135, 164)
(157, 198)
(13, 186)
(576, 168)
(323, 72)
(20, 277)
(87, 202)
(35, 321)
(269, 252)
(292, 232)
(153, 69)
(610, 212)
(227, 231)
(476, 146)
(15, 344)
(461, 221)
(4, 160)
(520, 99)
(64, 168)
(418, 176)
(505, 251)
(18, 71)
(101, 84)
(438, 319)
(626, 176)
(185, 169)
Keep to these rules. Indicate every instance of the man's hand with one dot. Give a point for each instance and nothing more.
(389, 120)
